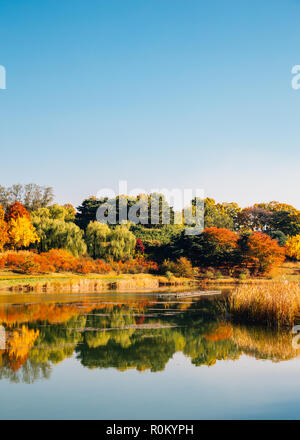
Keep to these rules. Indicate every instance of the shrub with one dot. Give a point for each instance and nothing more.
(59, 260)
(180, 268)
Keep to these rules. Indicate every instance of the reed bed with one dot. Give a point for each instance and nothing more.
(273, 304)
(270, 343)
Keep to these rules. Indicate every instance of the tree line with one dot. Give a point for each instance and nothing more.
(255, 238)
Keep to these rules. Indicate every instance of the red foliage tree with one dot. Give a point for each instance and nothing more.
(3, 230)
(263, 253)
(139, 247)
(16, 210)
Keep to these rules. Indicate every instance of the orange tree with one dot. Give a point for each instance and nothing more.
(260, 252)
(16, 210)
(3, 230)
(219, 246)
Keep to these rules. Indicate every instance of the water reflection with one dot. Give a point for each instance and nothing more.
(141, 332)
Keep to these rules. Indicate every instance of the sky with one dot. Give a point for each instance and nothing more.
(162, 94)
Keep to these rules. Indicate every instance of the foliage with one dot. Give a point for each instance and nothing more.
(254, 219)
(286, 222)
(55, 212)
(16, 210)
(59, 234)
(260, 252)
(139, 247)
(121, 243)
(96, 238)
(218, 247)
(181, 268)
(59, 260)
(3, 230)
(292, 247)
(21, 233)
(279, 236)
(86, 212)
(217, 214)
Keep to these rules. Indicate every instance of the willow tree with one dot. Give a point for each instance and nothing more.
(58, 234)
(122, 243)
(97, 239)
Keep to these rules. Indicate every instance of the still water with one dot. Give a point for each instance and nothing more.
(140, 356)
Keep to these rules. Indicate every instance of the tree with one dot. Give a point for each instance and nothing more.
(58, 234)
(214, 247)
(87, 211)
(139, 247)
(56, 212)
(286, 222)
(292, 247)
(260, 252)
(122, 243)
(218, 247)
(3, 230)
(96, 238)
(21, 232)
(32, 196)
(216, 215)
(279, 236)
(16, 210)
(254, 219)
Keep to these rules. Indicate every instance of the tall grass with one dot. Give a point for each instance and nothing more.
(273, 304)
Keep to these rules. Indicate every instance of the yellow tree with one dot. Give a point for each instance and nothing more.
(21, 232)
(3, 230)
(292, 247)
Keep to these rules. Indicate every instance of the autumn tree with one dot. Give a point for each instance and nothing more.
(292, 247)
(16, 210)
(216, 214)
(21, 232)
(3, 230)
(218, 246)
(56, 212)
(260, 252)
(139, 247)
(214, 247)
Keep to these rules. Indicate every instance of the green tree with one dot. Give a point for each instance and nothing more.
(58, 234)
(96, 238)
(87, 211)
(121, 243)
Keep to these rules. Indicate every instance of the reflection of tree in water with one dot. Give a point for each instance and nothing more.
(29, 372)
(105, 336)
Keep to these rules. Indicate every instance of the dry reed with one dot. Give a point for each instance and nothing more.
(273, 304)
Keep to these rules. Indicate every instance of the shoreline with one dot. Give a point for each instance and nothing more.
(73, 283)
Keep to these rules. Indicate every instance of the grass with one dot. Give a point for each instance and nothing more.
(274, 304)
(14, 281)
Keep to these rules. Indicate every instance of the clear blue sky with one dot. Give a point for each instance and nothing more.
(162, 93)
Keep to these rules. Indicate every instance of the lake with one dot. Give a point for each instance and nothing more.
(141, 356)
